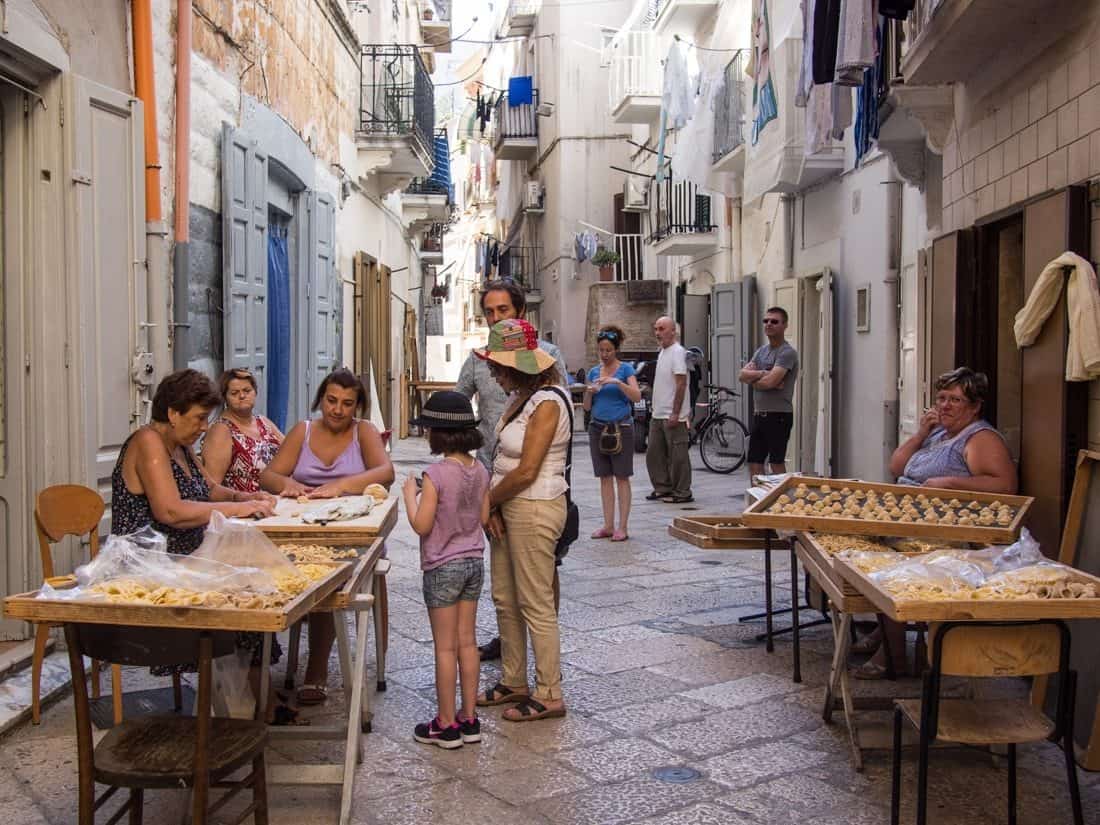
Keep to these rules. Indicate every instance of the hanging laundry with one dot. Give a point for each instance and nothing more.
(591, 244)
(677, 97)
(819, 118)
(479, 260)
(842, 110)
(867, 100)
(764, 106)
(494, 254)
(806, 70)
(695, 143)
(826, 31)
(855, 41)
(578, 247)
(896, 9)
(1083, 311)
(521, 91)
(505, 270)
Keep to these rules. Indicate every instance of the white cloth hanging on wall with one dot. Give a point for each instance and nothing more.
(695, 142)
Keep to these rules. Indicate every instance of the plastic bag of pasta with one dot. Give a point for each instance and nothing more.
(236, 542)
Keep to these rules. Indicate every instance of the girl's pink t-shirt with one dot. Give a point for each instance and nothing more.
(457, 532)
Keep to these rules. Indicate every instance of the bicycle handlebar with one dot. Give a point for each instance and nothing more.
(718, 388)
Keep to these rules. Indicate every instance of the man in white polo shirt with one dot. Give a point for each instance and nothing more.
(667, 455)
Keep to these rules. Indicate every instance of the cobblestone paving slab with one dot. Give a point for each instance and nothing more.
(618, 759)
(721, 731)
(447, 803)
(748, 766)
(549, 736)
(703, 813)
(523, 787)
(612, 658)
(656, 715)
(625, 802)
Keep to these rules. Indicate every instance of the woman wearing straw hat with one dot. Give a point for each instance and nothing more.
(528, 504)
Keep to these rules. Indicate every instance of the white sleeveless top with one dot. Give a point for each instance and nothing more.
(550, 482)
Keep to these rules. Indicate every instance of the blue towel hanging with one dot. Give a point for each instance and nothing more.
(521, 90)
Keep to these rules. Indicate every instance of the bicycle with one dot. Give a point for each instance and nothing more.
(722, 438)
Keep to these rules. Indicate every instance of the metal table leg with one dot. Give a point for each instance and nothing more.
(768, 631)
(796, 676)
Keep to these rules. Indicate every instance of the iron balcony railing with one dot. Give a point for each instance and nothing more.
(515, 121)
(396, 96)
(631, 249)
(729, 109)
(433, 239)
(427, 186)
(680, 208)
(522, 266)
(915, 23)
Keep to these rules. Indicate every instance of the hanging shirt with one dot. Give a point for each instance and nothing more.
(579, 247)
(826, 32)
(765, 108)
(855, 41)
(520, 91)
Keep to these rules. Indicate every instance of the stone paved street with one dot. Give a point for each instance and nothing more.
(657, 672)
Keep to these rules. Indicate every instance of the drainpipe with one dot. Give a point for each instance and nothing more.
(892, 283)
(181, 256)
(155, 231)
(737, 271)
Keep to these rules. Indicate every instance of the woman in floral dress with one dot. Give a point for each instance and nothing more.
(240, 443)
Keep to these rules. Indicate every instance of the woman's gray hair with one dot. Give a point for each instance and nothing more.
(975, 385)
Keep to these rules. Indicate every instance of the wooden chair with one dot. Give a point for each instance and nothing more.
(60, 511)
(990, 650)
(166, 750)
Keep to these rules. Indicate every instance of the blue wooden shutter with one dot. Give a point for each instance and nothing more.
(323, 291)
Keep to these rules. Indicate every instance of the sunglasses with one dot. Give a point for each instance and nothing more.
(607, 336)
(772, 321)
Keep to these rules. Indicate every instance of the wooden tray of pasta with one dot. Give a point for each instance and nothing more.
(873, 509)
(902, 609)
(272, 619)
(722, 533)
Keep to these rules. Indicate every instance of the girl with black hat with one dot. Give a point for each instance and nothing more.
(450, 517)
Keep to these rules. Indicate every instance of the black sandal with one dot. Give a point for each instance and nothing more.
(500, 694)
(285, 715)
(531, 709)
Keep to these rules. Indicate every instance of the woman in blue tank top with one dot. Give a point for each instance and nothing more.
(954, 448)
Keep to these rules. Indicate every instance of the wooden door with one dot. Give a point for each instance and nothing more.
(910, 354)
(15, 506)
(376, 336)
(950, 285)
(1053, 412)
(107, 158)
(788, 295)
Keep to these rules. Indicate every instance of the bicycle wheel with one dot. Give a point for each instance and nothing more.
(724, 445)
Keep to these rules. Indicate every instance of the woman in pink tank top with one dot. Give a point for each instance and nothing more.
(336, 454)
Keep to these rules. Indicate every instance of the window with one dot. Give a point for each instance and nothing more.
(863, 308)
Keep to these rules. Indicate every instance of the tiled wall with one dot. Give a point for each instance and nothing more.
(1027, 142)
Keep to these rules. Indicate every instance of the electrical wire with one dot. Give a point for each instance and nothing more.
(691, 45)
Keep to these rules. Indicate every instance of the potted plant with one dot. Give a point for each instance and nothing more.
(606, 259)
(428, 13)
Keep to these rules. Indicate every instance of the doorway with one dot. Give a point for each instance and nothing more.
(14, 498)
(373, 333)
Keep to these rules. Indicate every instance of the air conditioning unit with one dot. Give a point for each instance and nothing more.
(635, 195)
(533, 196)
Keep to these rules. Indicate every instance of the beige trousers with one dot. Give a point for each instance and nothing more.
(522, 565)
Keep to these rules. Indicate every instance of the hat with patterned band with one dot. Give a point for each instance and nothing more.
(447, 410)
(514, 343)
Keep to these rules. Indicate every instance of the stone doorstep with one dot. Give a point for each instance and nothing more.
(19, 656)
(15, 688)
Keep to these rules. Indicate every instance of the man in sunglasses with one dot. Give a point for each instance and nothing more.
(771, 373)
(500, 300)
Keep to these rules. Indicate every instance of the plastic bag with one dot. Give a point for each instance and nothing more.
(232, 695)
(238, 543)
(140, 557)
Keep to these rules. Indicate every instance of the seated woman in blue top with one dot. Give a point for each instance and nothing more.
(609, 394)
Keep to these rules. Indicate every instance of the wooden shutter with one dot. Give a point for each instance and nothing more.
(950, 286)
(322, 288)
(244, 255)
(108, 160)
(1053, 411)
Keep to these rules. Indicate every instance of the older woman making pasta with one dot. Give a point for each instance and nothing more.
(336, 454)
(241, 442)
(953, 448)
(528, 515)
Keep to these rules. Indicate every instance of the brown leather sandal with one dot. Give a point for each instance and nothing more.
(500, 694)
(531, 709)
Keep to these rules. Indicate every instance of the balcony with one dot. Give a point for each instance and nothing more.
(729, 118)
(516, 129)
(631, 265)
(521, 264)
(396, 114)
(682, 220)
(429, 200)
(431, 245)
(634, 90)
(954, 40)
(519, 19)
(781, 160)
(435, 24)
(683, 16)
